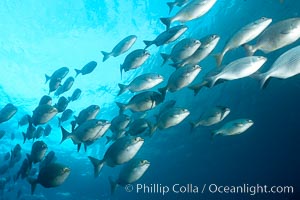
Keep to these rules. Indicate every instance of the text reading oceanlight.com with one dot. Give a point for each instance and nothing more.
(208, 188)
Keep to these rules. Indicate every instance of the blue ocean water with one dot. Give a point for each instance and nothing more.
(38, 37)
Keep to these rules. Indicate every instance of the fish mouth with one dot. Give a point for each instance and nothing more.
(139, 139)
(250, 121)
(66, 170)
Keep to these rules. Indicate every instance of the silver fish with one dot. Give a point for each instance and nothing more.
(180, 78)
(142, 83)
(287, 65)
(211, 116)
(123, 46)
(243, 36)
(207, 46)
(239, 68)
(233, 127)
(134, 60)
(130, 173)
(167, 36)
(192, 10)
(142, 102)
(120, 152)
(182, 50)
(276, 36)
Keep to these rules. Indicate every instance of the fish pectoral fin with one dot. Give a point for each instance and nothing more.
(238, 124)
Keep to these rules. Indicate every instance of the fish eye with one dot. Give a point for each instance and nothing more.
(263, 18)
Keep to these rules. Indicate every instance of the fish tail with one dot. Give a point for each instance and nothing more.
(78, 71)
(121, 69)
(113, 185)
(33, 182)
(193, 126)
(212, 81)
(262, 78)
(219, 58)
(166, 21)
(147, 43)
(106, 55)
(250, 50)
(165, 57)
(65, 134)
(123, 88)
(213, 133)
(98, 164)
(171, 6)
(195, 88)
(163, 91)
(108, 140)
(47, 78)
(121, 106)
(24, 136)
(59, 121)
(152, 129)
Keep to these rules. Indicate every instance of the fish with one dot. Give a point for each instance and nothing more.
(141, 83)
(49, 158)
(66, 86)
(138, 127)
(192, 10)
(62, 104)
(38, 152)
(58, 74)
(87, 69)
(246, 34)
(130, 173)
(182, 50)
(15, 155)
(211, 116)
(66, 115)
(30, 132)
(134, 60)
(45, 100)
(52, 175)
(24, 120)
(181, 78)
(24, 170)
(167, 36)
(119, 123)
(239, 68)
(39, 132)
(47, 130)
(86, 114)
(276, 36)
(89, 131)
(54, 84)
(122, 47)
(2, 133)
(120, 152)
(7, 112)
(142, 102)
(165, 106)
(285, 66)
(75, 95)
(115, 136)
(178, 3)
(207, 46)
(233, 127)
(43, 113)
(170, 118)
